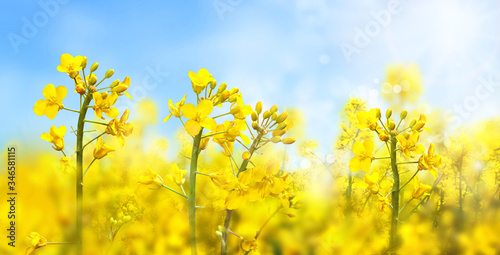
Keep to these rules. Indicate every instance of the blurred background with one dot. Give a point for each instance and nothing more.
(308, 57)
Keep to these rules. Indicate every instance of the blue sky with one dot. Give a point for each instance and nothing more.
(287, 53)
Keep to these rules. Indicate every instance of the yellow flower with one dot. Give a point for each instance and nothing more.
(227, 181)
(52, 102)
(371, 183)
(364, 156)
(80, 86)
(418, 188)
(37, 241)
(175, 110)
(151, 178)
(409, 144)
(368, 119)
(250, 246)
(430, 161)
(55, 136)
(383, 202)
(101, 149)
(66, 164)
(70, 65)
(103, 104)
(267, 180)
(198, 117)
(233, 130)
(420, 124)
(200, 80)
(120, 128)
(121, 87)
(178, 175)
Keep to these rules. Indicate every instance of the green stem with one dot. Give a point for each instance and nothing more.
(409, 180)
(88, 167)
(212, 134)
(175, 191)
(408, 162)
(93, 140)
(192, 191)
(395, 198)
(71, 110)
(79, 175)
(383, 158)
(96, 122)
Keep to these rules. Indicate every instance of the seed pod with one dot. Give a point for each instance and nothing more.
(282, 117)
(388, 114)
(289, 140)
(109, 73)
(258, 107)
(276, 139)
(403, 115)
(94, 67)
(274, 109)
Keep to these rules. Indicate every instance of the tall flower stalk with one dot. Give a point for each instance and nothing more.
(87, 88)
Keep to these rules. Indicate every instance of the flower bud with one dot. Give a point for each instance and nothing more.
(403, 115)
(254, 116)
(115, 83)
(282, 125)
(274, 109)
(222, 87)
(258, 107)
(92, 80)
(289, 140)
(412, 123)
(234, 91)
(94, 67)
(391, 125)
(388, 114)
(418, 126)
(291, 215)
(276, 139)
(274, 116)
(279, 132)
(109, 73)
(213, 84)
(255, 126)
(246, 155)
(378, 113)
(282, 117)
(266, 115)
(84, 62)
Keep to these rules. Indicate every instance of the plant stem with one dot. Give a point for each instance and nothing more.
(264, 225)
(192, 191)
(409, 180)
(71, 110)
(395, 197)
(96, 122)
(175, 191)
(79, 175)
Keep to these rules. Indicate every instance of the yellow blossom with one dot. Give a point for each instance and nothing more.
(364, 156)
(250, 246)
(151, 178)
(371, 182)
(175, 109)
(430, 161)
(52, 102)
(55, 136)
(198, 117)
(120, 128)
(368, 119)
(101, 149)
(103, 104)
(70, 65)
(200, 80)
(178, 176)
(409, 144)
(418, 188)
(121, 87)
(37, 241)
(383, 202)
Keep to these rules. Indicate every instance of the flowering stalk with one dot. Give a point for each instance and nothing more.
(227, 220)
(192, 191)
(395, 194)
(79, 172)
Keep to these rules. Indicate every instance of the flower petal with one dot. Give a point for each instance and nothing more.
(192, 127)
(205, 107)
(209, 124)
(358, 148)
(49, 92)
(61, 92)
(189, 111)
(40, 107)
